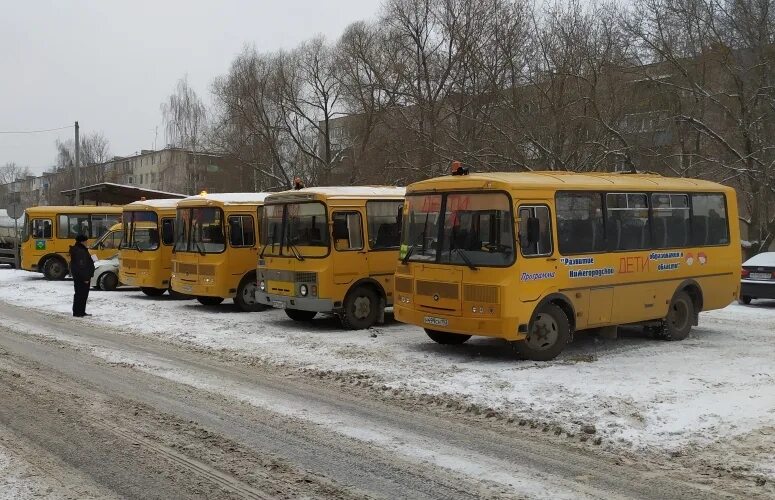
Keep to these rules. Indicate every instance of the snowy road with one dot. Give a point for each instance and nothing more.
(411, 418)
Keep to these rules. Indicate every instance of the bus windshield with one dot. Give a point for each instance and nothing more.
(476, 229)
(293, 229)
(200, 230)
(141, 230)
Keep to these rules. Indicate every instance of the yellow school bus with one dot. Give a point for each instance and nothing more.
(145, 259)
(535, 257)
(216, 248)
(50, 231)
(331, 250)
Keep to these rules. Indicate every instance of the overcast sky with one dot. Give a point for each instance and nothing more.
(110, 64)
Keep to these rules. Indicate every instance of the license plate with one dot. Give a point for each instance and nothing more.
(129, 281)
(760, 276)
(187, 288)
(432, 320)
(278, 304)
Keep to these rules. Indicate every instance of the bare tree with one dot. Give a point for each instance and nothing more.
(185, 119)
(310, 95)
(717, 56)
(250, 123)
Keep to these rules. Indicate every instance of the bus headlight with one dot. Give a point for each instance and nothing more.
(262, 285)
(303, 290)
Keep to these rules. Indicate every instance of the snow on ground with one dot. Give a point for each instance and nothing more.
(716, 386)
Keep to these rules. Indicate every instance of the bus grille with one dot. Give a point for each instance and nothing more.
(143, 264)
(443, 290)
(182, 267)
(306, 277)
(480, 293)
(206, 270)
(404, 285)
(129, 263)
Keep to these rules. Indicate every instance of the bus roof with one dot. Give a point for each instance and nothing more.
(566, 181)
(224, 199)
(338, 193)
(162, 203)
(70, 209)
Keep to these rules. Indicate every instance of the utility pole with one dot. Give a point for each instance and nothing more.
(77, 166)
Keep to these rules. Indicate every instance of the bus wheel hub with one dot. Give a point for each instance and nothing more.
(362, 307)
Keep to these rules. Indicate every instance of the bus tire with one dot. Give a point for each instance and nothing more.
(548, 333)
(177, 295)
(446, 338)
(678, 322)
(246, 295)
(299, 315)
(153, 292)
(745, 300)
(107, 282)
(55, 269)
(209, 301)
(361, 308)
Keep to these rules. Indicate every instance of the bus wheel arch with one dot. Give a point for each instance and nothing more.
(694, 290)
(563, 303)
(363, 289)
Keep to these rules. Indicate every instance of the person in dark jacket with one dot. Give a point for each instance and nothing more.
(82, 270)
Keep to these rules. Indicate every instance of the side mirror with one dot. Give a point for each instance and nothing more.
(340, 230)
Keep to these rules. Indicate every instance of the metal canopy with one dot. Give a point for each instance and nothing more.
(117, 194)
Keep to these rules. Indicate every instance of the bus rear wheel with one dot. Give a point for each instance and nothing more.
(209, 301)
(246, 295)
(678, 322)
(547, 334)
(55, 269)
(153, 292)
(361, 309)
(446, 338)
(299, 315)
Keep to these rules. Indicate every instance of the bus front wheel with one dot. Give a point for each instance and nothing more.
(678, 322)
(55, 269)
(209, 301)
(361, 309)
(548, 333)
(299, 315)
(446, 338)
(246, 295)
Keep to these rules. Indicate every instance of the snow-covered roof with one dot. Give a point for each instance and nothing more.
(565, 180)
(161, 203)
(339, 192)
(227, 198)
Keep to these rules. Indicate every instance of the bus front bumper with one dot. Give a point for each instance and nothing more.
(300, 303)
(142, 280)
(199, 290)
(505, 328)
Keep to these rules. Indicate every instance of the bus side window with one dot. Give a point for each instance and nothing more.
(241, 233)
(347, 231)
(167, 231)
(41, 228)
(532, 244)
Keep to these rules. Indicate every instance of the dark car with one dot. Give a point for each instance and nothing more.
(758, 278)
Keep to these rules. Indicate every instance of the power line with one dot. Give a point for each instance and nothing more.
(33, 131)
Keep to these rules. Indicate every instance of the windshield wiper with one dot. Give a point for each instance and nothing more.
(200, 248)
(465, 258)
(294, 250)
(270, 242)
